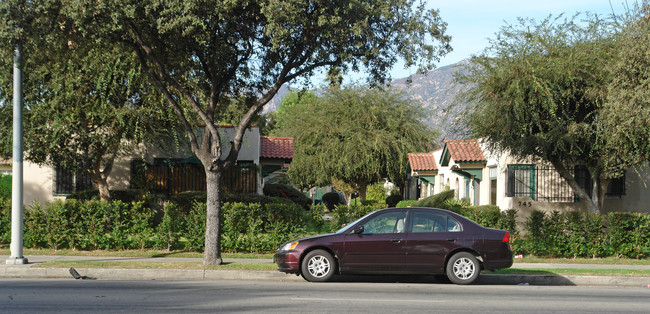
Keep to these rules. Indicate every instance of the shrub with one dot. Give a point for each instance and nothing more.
(186, 200)
(5, 220)
(126, 196)
(569, 234)
(392, 200)
(253, 228)
(376, 192)
(315, 217)
(250, 228)
(406, 203)
(454, 205)
(486, 215)
(331, 200)
(195, 227)
(170, 229)
(436, 200)
(5, 186)
(629, 234)
(88, 225)
(343, 214)
(288, 192)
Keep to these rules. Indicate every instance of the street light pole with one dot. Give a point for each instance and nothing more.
(17, 168)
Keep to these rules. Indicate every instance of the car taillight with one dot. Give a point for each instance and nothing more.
(506, 237)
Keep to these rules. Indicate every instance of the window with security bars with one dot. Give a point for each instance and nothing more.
(172, 176)
(616, 187)
(546, 184)
(521, 181)
(67, 182)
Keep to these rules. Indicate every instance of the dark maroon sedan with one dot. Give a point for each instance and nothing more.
(400, 241)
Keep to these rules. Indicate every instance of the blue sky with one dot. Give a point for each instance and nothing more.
(472, 22)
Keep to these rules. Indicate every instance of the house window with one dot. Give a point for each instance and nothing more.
(493, 185)
(616, 186)
(521, 181)
(546, 184)
(68, 182)
(172, 176)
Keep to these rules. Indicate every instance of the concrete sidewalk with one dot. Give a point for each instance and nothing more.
(31, 270)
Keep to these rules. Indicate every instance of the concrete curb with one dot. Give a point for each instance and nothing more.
(199, 274)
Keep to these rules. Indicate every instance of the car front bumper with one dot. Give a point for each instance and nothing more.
(288, 262)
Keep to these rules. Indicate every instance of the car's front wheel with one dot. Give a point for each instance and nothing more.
(463, 268)
(318, 265)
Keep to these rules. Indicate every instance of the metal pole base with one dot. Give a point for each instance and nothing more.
(17, 261)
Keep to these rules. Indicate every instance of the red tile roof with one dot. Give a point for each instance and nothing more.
(277, 147)
(422, 161)
(465, 150)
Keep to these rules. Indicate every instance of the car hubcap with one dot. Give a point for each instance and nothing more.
(319, 266)
(464, 268)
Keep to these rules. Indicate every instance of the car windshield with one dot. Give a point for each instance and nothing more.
(348, 226)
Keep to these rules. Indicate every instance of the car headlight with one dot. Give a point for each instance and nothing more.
(289, 246)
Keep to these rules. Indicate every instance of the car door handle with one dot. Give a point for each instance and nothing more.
(452, 239)
(396, 240)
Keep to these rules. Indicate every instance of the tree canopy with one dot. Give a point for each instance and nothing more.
(86, 101)
(354, 134)
(541, 90)
(201, 55)
(626, 113)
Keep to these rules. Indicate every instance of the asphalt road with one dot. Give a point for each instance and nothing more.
(221, 296)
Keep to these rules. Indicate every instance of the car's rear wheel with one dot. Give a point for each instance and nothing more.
(318, 265)
(463, 268)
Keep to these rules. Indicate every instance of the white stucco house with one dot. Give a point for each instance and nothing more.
(496, 178)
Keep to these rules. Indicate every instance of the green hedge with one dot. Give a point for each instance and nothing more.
(5, 186)
(90, 225)
(246, 227)
(262, 227)
(126, 196)
(5, 220)
(574, 234)
(186, 200)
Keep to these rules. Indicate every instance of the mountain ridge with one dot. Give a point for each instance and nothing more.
(435, 90)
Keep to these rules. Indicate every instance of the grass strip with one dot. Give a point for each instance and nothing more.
(156, 265)
(132, 253)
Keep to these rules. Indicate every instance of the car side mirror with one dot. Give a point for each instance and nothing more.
(358, 230)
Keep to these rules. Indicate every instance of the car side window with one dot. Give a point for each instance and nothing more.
(428, 222)
(391, 222)
(453, 225)
(433, 222)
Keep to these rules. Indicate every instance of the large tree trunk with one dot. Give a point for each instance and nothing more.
(104, 193)
(599, 189)
(363, 191)
(212, 255)
(101, 181)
